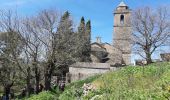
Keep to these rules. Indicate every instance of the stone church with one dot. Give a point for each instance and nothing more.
(118, 53)
(105, 56)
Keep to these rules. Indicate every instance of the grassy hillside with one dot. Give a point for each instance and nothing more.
(151, 82)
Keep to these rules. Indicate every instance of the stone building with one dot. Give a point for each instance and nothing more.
(122, 32)
(105, 53)
(165, 56)
(120, 51)
(105, 56)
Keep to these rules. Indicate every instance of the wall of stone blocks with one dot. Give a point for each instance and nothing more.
(81, 71)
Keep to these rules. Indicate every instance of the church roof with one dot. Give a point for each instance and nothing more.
(122, 4)
(100, 45)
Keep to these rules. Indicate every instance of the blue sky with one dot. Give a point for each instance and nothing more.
(100, 12)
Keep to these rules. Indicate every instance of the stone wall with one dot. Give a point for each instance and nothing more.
(81, 70)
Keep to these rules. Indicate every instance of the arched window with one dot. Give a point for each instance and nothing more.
(122, 19)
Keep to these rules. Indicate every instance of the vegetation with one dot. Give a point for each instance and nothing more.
(136, 83)
(74, 90)
(84, 34)
(150, 31)
(43, 96)
(34, 49)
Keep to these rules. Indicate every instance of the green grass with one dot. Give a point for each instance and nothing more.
(45, 95)
(136, 83)
(151, 82)
(74, 91)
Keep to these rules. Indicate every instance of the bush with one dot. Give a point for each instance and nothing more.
(46, 95)
(74, 90)
(71, 94)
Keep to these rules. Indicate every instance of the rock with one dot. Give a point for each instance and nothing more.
(87, 88)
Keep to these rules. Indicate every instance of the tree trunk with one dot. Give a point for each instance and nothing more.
(28, 82)
(148, 58)
(47, 81)
(48, 75)
(37, 79)
(7, 89)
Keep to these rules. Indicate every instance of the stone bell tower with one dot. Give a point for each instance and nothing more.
(122, 32)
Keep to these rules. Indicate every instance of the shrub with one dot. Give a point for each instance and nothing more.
(46, 95)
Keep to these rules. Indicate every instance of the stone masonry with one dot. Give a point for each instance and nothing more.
(122, 32)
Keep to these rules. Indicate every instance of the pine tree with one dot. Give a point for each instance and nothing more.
(81, 28)
(88, 41)
(65, 16)
(65, 25)
(81, 40)
(65, 40)
(61, 50)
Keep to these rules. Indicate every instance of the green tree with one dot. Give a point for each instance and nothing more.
(84, 35)
(81, 40)
(10, 50)
(11, 46)
(61, 49)
(65, 48)
(88, 41)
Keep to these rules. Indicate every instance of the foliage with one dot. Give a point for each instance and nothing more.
(74, 90)
(84, 34)
(43, 96)
(132, 83)
(71, 94)
(136, 83)
(80, 83)
(88, 41)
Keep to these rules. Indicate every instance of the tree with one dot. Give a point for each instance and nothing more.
(84, 35)
(28, 43)
(47, 22)
(8, 66)
(58, 40)
(81, 36)
(151, 30)
(32, 50)
(66, 48)
(10, 49)
(88, 41)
